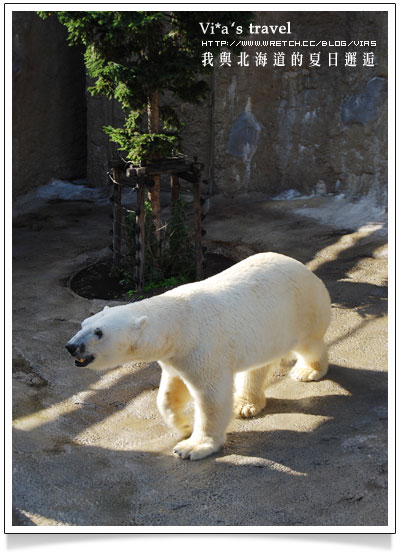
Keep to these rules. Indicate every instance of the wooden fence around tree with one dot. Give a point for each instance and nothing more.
(141, 178)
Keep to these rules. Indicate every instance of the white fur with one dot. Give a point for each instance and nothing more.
(202, 334)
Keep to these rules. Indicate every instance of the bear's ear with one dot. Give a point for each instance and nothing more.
(140, 322)
(106, 307)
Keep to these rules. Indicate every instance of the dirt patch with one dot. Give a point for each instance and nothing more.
(23, 371)
(97, 281)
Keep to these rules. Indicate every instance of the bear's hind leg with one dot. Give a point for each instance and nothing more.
(249, 398)
(171, 399)
(312, 361)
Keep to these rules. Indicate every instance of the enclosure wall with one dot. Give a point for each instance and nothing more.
(306, 125)
(263, 127)
(49, 106)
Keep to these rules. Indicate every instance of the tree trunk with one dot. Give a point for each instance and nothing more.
(117, 219)
(140, 232)
(153, 120)
(153, 113)
(174, 180)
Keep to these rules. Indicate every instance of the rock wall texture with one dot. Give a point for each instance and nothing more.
(49, 108)
(263, 128)
(279, 128)
(270, 129)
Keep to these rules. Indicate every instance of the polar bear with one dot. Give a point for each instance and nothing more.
(215, 341)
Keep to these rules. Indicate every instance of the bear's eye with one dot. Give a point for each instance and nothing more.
(98, 333)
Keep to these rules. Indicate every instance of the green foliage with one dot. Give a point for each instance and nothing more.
(142, 148)
(130, 55)
(170, 118)
(180, 254)
(167, 263)
(145, 147)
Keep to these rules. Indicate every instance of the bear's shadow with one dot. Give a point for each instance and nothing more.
(180, 489)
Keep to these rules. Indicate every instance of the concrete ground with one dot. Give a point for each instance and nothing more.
(90, 448)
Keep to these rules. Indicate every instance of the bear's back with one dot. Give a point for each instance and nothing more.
(265, 282)
(261, 269)
(263, 306)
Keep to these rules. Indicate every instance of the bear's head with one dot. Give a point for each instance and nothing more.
(108, 339)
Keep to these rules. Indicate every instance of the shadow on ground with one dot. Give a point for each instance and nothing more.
(266, 477)
(90, 449)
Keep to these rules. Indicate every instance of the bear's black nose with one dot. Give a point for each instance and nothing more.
(71, 348)
(74, 348)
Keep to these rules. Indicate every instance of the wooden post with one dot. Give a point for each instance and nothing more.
(140, 231)
(190, 172)
(117, 219)
(197, 225)
(174, 189)
(155, 200)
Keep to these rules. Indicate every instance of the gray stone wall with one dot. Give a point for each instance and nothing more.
(295, 127)
(266, 129)
(49, 108)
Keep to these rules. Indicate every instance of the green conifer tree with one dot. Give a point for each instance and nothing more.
(134, 57)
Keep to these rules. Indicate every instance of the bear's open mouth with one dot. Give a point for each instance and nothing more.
(83, 362)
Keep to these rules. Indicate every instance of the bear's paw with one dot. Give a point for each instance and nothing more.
(248, 408)
(196, 449)
(306, 374)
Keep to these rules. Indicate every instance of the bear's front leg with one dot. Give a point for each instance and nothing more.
(213, 412)
(171, 400)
